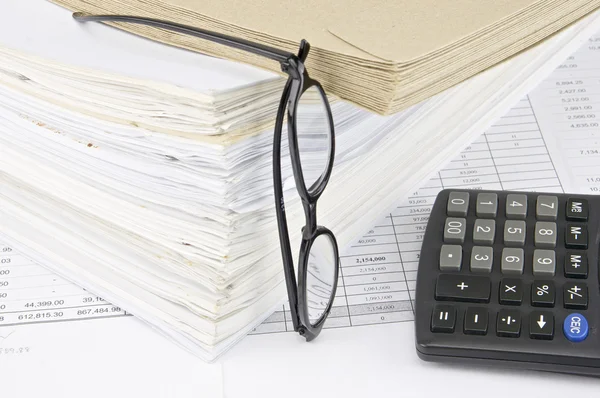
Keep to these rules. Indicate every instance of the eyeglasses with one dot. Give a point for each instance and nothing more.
(311, 144)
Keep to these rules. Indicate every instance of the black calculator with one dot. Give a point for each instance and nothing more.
(511, 279)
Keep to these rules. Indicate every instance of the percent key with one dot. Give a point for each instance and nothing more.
(543, 294)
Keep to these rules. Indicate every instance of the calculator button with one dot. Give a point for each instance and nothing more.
(576, 265)
(459, 287)
(541, 325)
(450, 258)
(476, 321)
(577, 209)
(544, 262)
(543, 294)
(443, 319)
(512, 261)
(484, 231)
(575, 295)
(514, 233)
(576, 236)
(546, 208)
(511, 291)
(458, 204)
(545, 235)
(454, 230)
(516, 206)
(508, 323)
(481, 259)
(487, 205)
(575, 327)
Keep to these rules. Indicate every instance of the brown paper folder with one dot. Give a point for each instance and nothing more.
(382, 55)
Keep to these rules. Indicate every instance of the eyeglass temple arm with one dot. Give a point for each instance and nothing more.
(234, 42)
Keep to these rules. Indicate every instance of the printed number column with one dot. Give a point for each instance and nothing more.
(567, 105)
(519, 152)
(376, 286)
(473, 169)
(29, 293)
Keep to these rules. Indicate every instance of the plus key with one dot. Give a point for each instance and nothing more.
(456, 287)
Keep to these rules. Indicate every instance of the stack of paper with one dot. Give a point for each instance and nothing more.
(144, 171)
(383, 55)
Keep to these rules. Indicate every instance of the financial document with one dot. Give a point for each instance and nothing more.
(549, 141)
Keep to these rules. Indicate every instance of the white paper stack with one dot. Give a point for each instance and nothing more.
(144, 173)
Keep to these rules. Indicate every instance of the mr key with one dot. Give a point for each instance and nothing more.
(511, 278)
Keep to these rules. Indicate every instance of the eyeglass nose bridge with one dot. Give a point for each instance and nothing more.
(310, 228)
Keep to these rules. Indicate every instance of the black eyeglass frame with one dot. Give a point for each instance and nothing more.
(298, 82)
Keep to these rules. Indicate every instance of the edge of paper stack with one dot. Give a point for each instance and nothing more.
(382, 55)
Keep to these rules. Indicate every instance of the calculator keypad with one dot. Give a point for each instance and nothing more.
(535, 241)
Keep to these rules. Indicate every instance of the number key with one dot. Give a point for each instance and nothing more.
(544, 262)
(484, 231)
(458, 204)
(546, 208)
(487, 205)
(512, 261)
(545, 235)
(454, 230)
(481, 259)
(514, 233)
(516, 206)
